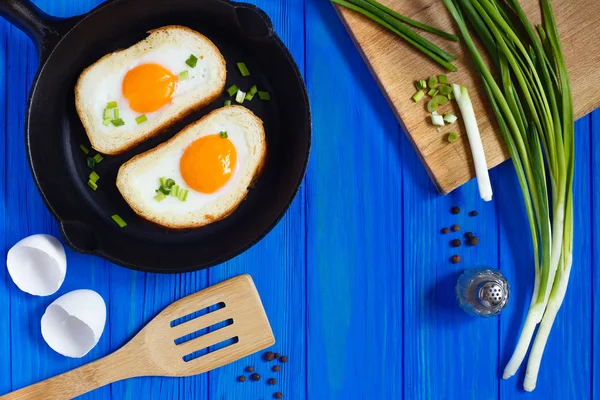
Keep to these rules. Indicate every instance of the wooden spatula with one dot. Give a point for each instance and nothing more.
(154, 352)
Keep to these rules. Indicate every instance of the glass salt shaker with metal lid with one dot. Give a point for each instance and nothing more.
(482, 292)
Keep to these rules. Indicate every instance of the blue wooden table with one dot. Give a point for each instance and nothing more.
(355, 279)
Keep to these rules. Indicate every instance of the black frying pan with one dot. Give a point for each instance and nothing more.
(53, 131)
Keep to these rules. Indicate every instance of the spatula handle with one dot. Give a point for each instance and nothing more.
(76, 382)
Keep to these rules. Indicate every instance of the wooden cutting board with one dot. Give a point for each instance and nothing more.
(396, 65)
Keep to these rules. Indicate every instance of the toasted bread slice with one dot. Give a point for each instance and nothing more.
(169, 47)
(139, 177)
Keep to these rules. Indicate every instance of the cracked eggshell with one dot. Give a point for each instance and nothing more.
(73, 323)
(37, 264)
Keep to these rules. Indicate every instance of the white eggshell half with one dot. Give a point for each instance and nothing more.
(37, 264)
(73, 323)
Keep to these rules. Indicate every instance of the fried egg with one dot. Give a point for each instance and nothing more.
(152, 84)
(215, 160)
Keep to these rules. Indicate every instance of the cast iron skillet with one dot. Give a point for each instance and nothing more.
(53, 131)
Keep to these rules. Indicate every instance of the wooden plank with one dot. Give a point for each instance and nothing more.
(396, 65)
(354, 222)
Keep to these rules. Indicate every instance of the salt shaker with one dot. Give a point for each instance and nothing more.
(482, 292)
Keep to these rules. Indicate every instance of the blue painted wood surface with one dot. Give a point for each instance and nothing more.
(355, 279)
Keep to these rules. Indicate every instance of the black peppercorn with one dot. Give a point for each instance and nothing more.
(278, 395)
(455, 228)
(469, 235)
(249, 369)
(242, 378)
(445, 231)
(455, 259)
(472, 213)
(283, 359)
(269, 356)
(455, 210)
(271, 381)
(473, 240)
(276, 368)
(455, 243)
(277, 356)
(255, 377)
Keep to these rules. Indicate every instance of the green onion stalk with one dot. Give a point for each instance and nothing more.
(531, 99)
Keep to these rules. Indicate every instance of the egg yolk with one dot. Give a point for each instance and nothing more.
(149, 87)
(208, 163)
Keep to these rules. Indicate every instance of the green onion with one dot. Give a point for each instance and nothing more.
(111, 104)
(227, 102)
(437, 119)
(432, 105)
(183, 194)
(92, 184)
(442, 79)
(106, 122)
(418, 96)
(432, 82)
(169, 183)
(142, 118)
(84, 149)
(223, 134)
(249, 96)
(264, 95)
(118, 122)
(452, 137)
(163, 181)
(164, 190)
(106, 113)
(450, 118)
(445, 89)
(253, 90)
(441, 100)
(232, 90)
(419, 86)
(116, 113)
(175, 190)
(118, 220)
(94, 176)
(243, 69)
(98, 157)
(240, 96)
(183, 75)
(450, 96)
(432, 92)
(160, 196)
(192, 61)
(91, 164)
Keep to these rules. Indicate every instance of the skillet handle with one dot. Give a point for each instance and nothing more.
(42, 28)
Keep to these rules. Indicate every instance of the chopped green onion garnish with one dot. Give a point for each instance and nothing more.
(106, 122)
(450, 118)
(175, 191)
(84, 149)
(159, 196)
(432, 105)
(227, 102)
(116, 114)
(163, 181)
(432, 92)
(169, 184)
(98, 157)
(164, 190)
(249, 96)
(243, 69)
(441, 100)
(141, 118)
(92, 184)
(442, 79)
(94, 176)
(420, 84)
(240, 96)
(223, 134)
(232, 90)
(119, 221)
(437, 119)
(432, 82)
(118, 122)
(183, 194)
(264, 95)
(192, 61)
(253, 90)
(450, 96)
(111, 104)
(452, 137)
(106, 113)
(91, 163)
(445, 89)
(418, 96)
(183, 75)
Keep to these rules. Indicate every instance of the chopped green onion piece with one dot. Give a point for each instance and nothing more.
(159, 196)
(116, 114)
(119, 221)
(243, 69)
(249, 96)
(142, 118)
(240, 97)
(163, 181)
(164, 190)
(106, 122)
(227, 102)
(118, 122)
(437, 119)
(106, 113)
(169, 184)
(418, 96)
(432, 82)
(84, 149)
(452, 137)
(442, 79)
(192, 61)
(264, 95)
(175, 190)
(432, 92)
(183, 194)
(232, 90)
(223, 134)
(441, 100)
(432, 105)
(111, 104)
(91, 163)
(445, 89)
(183, 75)
(253, 90)
(92, 184)
(450, 118)
(98, 157)
(94, 176)
(450, 96)
(421, 84)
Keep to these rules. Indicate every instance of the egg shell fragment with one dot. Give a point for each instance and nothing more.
(37, 264)
(73, 324)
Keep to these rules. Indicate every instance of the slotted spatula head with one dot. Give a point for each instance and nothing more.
(242, 328)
